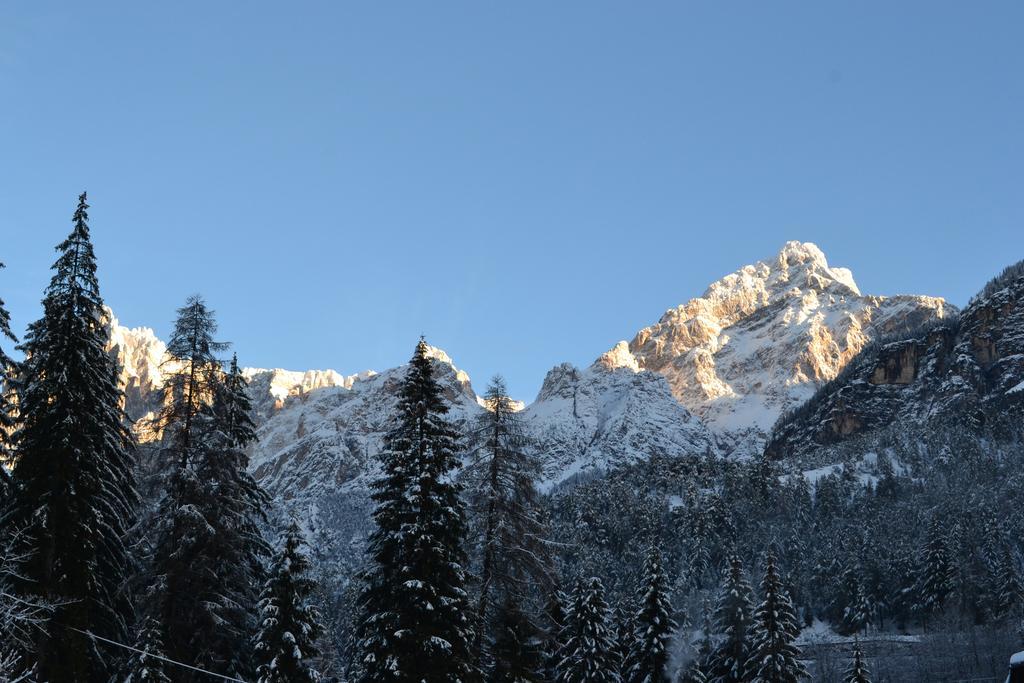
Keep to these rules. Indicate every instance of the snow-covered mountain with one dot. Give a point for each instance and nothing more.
(966, 371)
(710, 378)
(762, 339)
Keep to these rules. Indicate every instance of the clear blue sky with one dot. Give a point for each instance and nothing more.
(523, 182)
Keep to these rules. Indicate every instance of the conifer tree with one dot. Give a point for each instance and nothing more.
(74, 492)
(773, 656)
(858, 671)
(695, 670)
(587, 655)
(147, 665)
(289, 626)
(514, 556)
(622, 624)
(936, 579)
(207, 565)
(732, 621)
(556, 632)
(7, 410)
(415, 623)
(653, 625)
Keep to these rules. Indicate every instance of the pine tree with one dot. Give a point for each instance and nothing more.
(556, 632)
(289, 626)
(732, 620)
(858, 671)
(415, 622)
(587, 655)
(8, 369)
(623, 640)
(936, 579)
(74, 491)
(773, 656)
(653, 625)
(506, 513)
(147, 665)
(207, 565)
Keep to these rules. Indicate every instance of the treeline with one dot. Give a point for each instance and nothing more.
(98, 583)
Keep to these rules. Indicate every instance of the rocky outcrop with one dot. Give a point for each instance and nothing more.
(964, 370)
(761, 340)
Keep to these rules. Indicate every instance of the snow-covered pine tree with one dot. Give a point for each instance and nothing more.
(517, 652)
(858, 671)
(191, 376)
(773, 656)
(235, 506)
(207, 566)
(289, 625)
(936, 578)
(146, 665)
(7, 410)
(416, 623)
(732, 621)
(74, 490)
(653, 624)
(622, 624)
(514, 555)
(587, 655)
(556, 632)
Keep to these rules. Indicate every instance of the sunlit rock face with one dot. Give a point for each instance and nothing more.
(762, 339)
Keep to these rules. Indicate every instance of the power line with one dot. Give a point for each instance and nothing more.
(150, 654)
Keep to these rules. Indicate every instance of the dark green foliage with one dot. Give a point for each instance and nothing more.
(588, 652)
(289, 626)
(415, 623)
(74, 493)
(728, 662)
(773, 656)
(147, 666)
(858, 670)
(653, 625)
(516, 652)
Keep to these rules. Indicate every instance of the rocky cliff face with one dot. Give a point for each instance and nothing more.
(761, 340)
(967, 369)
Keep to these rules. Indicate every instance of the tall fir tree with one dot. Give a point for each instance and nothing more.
(653, 625)
(8, 370)
(588, 653)
(206, 568)
(935, 581)
(773, 656)
(623, 634)
(147, 664)
(695, 670)
(74, 491)
(289, 625)
(732, 618)
(858, 671)
(556, 631)
(514, 554)
(416, 623)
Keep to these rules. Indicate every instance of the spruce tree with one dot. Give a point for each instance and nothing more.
(556, 632)
(514, 555)
(773, 656)
(289, 625)
(695, 670)
(8, 369)
(732, 621)
(858, 671)
(935, 581)
(587, 655)
(623, 634)
(147, 664)
(207, 565)
(416, 623)
(74, 492)
(653, 625)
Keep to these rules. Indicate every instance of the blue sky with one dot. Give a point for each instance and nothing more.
(525, 183)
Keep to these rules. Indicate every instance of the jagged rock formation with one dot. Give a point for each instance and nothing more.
(967, 370)
(762, 339)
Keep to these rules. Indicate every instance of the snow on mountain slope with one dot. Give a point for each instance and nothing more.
(762, 339)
